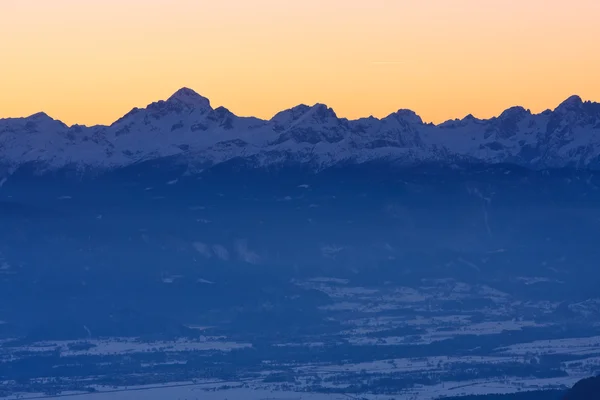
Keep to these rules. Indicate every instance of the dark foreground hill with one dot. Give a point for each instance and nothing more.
(586, 389)
(536, 395)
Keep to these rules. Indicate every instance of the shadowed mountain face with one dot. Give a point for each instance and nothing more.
(187, 130)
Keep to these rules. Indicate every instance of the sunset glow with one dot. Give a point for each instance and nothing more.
(89, 62)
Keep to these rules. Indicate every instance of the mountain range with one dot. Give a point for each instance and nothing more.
(187, 130)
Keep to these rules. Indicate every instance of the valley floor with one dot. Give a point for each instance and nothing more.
(441, 338)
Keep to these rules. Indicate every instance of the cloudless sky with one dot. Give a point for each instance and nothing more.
(91, 61)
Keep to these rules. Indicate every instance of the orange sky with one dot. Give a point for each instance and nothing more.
(91, 61)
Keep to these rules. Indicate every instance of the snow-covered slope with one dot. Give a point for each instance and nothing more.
(186, 128)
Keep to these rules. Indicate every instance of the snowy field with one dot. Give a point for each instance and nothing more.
(372, 319)
(123, 346)
(246, 391)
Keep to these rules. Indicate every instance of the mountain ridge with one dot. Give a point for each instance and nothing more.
(181, 94)
(187, 127)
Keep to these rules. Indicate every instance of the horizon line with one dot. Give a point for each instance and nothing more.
(187, 89)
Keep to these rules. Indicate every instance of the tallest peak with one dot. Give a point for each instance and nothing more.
(185, 92)
(190, 98)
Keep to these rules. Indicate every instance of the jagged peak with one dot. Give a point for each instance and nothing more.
(407, 115)
(318, 113)
(571, 103)
(322, 111)
(184, 98)
(190, 98)
(222, 112)
(40, 116)
(290, 115)
(43, 118)
(515, 112)
(286, 118)
(222, 109)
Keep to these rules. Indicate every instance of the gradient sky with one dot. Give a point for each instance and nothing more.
(91, 61)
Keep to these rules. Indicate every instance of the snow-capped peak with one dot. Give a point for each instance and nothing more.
(185, 127)
(407, 115)
(290, 115)
(190, 98)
